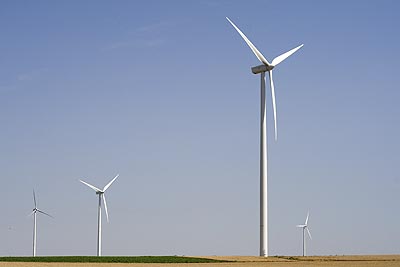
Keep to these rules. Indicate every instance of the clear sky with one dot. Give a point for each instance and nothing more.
(161, 92)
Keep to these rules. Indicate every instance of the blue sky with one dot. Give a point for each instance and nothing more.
(162, 93)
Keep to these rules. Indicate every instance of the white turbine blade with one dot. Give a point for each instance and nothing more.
(282, 57)
(108, 185)
(30, 214)
(105, 206)
(45, 213)
(34, 198)
(91, 186)
(308, 214)
(252, 47)
(273, 102)
(300, 225)
(308, 231)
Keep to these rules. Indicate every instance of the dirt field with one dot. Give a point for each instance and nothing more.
(246, 261)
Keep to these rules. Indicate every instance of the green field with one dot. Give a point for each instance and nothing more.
(112, 259)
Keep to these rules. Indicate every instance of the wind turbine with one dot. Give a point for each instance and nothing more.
(304, 227)
(34, 212)
(265, 67)
(101, 196)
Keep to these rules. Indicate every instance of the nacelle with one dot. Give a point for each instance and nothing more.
(261, 68)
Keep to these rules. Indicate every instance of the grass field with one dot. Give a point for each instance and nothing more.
(204, 261)
(112, 259)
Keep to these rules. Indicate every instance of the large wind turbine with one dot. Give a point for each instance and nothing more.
(34, 212)
(265, 67)
(304, 227)
(101, 195)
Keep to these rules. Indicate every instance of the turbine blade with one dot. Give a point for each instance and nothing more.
(250, 44)
(309, 234)
(91, 186)
(34, 198)
(273, 102)
(30, 214)
(105, 206)
(308, 214)
(300, 225)
(282, 57)
(108, 185)
(45, 213)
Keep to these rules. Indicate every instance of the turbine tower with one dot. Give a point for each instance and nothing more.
(304, 227)
(261, 69)
(101, 196)
(34, 212)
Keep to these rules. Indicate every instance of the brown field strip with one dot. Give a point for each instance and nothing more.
(246, 261)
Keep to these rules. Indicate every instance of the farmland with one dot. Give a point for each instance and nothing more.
(220, 261)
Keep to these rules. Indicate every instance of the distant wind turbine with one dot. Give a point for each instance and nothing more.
(101, 195)
(34, 212)
(305, 227)
(265, 67)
